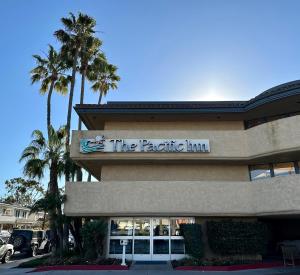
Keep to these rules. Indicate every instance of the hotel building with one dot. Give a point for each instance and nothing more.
(159, 164)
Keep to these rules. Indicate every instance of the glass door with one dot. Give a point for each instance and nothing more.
(142, 239)
(157, 239)
(161, 239)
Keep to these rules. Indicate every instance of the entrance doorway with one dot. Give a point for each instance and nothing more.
(149, 239)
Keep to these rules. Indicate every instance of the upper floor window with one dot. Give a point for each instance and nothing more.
(17, 213)
(283, 169)
(263, 171)
(24, 214)
(260, 171)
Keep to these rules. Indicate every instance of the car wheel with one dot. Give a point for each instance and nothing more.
(6, 257)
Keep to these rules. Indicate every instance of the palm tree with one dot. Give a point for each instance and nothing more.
(88, 55)
(77, 30)
(105, 80)
(50, 72)
(42, 155)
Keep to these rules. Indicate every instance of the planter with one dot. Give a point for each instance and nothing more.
(80, 267)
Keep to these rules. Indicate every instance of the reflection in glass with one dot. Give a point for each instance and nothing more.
(160, 246)
(161, 227)
(175, 225)
(260, 171)
(116, 248)
(141, 246)
(121, 227)
(142, 227)
(283, 169)
(177, 246)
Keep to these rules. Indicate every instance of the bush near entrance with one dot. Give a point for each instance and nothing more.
(192, 234)
(229, 237)
(93, 234)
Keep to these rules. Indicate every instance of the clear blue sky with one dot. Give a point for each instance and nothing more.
(165, 50)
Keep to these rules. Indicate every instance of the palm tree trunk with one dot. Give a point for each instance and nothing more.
(79, 171)
(69, 115)
(53, 189)
(49, 106)
(100, 98)
(81, 95)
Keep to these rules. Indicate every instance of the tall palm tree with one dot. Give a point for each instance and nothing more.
(42, 155)
(88, 55)
(105, 80)
(77, 30)
(50, 72)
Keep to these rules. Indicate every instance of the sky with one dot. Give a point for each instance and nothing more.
(164, 49)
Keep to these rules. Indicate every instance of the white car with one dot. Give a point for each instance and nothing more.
(6, 250)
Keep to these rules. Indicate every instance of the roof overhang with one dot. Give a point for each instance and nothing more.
(279, 100)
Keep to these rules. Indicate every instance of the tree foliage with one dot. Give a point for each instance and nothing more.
(192, 234)
(93, 234)
(22, 191)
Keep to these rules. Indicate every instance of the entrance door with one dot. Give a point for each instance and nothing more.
(157, 239)
(151, 239)
(142, 239)
(160, 239)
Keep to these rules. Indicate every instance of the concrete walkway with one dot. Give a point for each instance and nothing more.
(153, 266)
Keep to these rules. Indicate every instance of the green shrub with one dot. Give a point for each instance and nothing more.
(229, 237)
(192, 234)
(93, 234)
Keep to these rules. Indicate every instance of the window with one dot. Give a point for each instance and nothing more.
(18, 213)
(161, 227)
(24, 214)
(283, 169)
(142, 227)
(116, 248)
(261, 171)
(175, 225)
(121, 227)
(177, 246)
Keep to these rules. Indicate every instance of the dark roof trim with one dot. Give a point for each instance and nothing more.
(274, 94)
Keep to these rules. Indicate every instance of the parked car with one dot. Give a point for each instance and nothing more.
(28, 241)
(6, 250)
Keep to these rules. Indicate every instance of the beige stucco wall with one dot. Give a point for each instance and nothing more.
(279, 195)
(174, 125)
(266, 139)
(174, 172)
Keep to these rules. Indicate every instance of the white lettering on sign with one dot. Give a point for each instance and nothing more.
(100, 144)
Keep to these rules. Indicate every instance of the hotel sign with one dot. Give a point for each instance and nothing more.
(100, 144)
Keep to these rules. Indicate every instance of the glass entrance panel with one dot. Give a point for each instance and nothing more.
(161, 227)
(175, 225)
(141, 246)
(142, 227)
(149, 238)
(161, 246)
(121, 227)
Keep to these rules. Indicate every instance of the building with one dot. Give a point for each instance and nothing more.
(159, 164)
(17, 216)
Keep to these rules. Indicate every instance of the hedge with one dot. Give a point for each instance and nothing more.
(192, 234)
(229, 237)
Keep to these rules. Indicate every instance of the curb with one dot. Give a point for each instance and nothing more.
(79, 267)
(230, 267)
